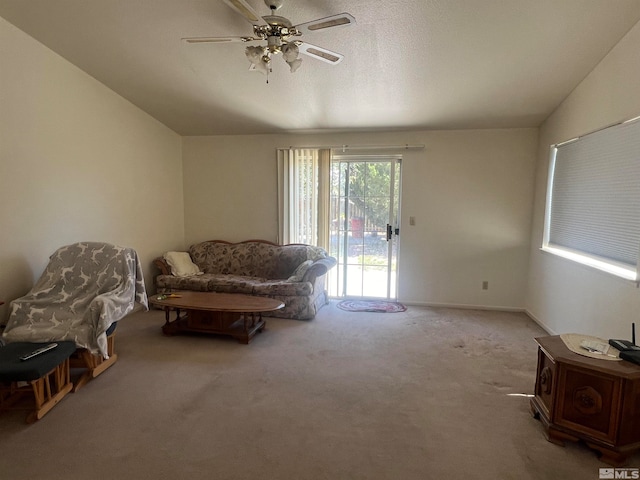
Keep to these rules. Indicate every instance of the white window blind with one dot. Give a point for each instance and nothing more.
(303, 196)
(593, 208)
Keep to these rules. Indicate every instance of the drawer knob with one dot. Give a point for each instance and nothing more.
(546, 377)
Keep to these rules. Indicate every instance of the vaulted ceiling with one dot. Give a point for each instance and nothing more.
(409, 64)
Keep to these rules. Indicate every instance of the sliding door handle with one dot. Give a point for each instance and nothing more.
(389, 232)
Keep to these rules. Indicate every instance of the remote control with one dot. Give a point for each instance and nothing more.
(46, 348)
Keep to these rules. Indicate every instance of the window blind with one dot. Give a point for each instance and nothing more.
(595, 195)
(301, 216)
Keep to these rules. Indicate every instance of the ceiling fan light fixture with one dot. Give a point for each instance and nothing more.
(290, 53)
(294, 64)
(259, 58)
(277, 32)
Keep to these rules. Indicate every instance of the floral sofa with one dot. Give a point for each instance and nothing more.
(294, 274)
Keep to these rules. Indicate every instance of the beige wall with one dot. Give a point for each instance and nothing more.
(81, 163)
(470, 191)
(77, 162)
(564, 296)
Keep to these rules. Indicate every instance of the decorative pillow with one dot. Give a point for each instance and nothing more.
(316, 253)
(300, 271)
(181, 264)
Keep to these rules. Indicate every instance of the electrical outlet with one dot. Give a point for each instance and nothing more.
(412, 220)
(485, 285)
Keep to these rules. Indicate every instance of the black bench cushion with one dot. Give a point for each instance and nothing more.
(12, 369)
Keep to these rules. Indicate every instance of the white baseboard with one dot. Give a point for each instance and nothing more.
(464, 306)
(543, 325)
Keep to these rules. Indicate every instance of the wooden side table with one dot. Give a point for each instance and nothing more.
(582, 398)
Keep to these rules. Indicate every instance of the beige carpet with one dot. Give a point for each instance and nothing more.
(424, 394)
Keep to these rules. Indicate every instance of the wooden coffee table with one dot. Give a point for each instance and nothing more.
(239, 316)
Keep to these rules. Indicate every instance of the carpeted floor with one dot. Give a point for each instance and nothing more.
(424, 394)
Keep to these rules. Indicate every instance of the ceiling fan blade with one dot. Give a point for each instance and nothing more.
(339, 20)
(219, 39)
(320, 53)
(246, 10)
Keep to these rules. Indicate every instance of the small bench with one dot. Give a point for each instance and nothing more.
(46, 376)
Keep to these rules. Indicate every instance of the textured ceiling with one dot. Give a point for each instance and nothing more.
(409, 64)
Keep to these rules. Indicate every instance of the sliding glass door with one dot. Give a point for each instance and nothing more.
(364, 226)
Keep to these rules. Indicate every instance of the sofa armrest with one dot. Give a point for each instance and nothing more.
(162, 266)
(319, 268)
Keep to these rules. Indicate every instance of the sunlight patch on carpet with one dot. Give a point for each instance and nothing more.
(371, 306)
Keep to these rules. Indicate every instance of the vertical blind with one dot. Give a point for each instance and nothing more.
(305, 205)
(594, 202)
(303, 196)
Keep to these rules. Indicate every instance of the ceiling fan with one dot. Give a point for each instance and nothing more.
(281, 36)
